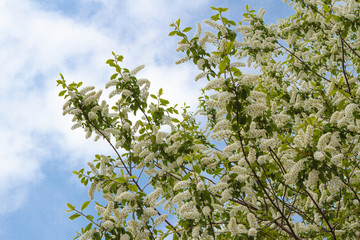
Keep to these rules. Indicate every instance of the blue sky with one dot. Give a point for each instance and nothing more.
(41, 38)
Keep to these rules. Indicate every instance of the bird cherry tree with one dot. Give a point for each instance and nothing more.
(278, 157)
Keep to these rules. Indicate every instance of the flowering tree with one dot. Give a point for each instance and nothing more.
(278, 157)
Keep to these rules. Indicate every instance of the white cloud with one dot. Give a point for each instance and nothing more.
(36, 45)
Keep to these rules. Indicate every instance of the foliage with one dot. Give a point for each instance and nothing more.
(278, 157)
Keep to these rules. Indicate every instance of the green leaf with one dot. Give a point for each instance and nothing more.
(114, 76)
(345, 94)
(120, 180)
(236, 72)
(326, 8)
(153, 96)
(172, 33)
(178, 22)
(229, 46)
(231, 22)
(142, 137)
(341, 82)
(84, 205)
(74, 216)
(221, 10)
(223, 65)
(160, 91)
(133, 188)
(217, 53)
(197, 169)
(186, 177)
(328, 18)
(332, 92)
(175, 120)
(187, 29)
(215, 17)
(110, 61)
(164, 102)
(88, 227)
(62, 93)
(120, 58)
(71, 207)
(187, 158)
(336, 18)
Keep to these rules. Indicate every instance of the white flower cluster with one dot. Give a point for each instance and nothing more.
(152, 197)
(136, 70)
(252, 220)
(249, 79)
(182, 60)
(255, 110)
(254, 132)
(313, 178)
(150, 212)
(266, 143)
(217, 187)
(215, 83)
(181, 196)
(160, 219)
(334, 185)
(125, 196)
(181, 184)
(87, 235)
(234, 228)
(216, 26)
(292, 176)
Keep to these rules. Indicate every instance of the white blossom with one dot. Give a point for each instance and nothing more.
(137, 69)
(125, 196)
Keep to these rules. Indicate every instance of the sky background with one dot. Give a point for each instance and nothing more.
(41, 38)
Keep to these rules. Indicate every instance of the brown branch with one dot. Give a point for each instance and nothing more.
(305, 64)
(277, 161)
(322, 214)
(292, 233)
(352, 49)
(343, 62)
(337, 211)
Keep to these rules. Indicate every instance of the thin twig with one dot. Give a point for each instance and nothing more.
(343, 62)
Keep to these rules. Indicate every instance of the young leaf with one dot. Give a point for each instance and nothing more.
(133, 188)
(74, 216)
(84, 205)
(71, 207)
(62, 93)
(172, 33)
(178, 22)
(88, 227)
